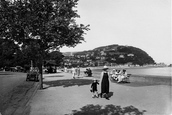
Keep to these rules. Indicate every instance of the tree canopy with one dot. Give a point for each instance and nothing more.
(45, 24)
(41, 25)
(55, 57)
(7, 52)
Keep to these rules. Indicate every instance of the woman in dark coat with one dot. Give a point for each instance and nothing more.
(105, 81)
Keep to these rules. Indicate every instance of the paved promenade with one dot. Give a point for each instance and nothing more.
(15, 92)
(63, 95)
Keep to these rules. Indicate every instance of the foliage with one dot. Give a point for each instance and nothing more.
(8, 52)
(110, 109)
(55, 56)
(38, 26)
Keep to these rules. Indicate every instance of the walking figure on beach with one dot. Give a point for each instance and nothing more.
(94, 88)
(104, 80)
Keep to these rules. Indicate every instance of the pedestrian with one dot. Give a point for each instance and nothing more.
(105, 80)
(73, 72)
(94, 88)
(65, 69)
(78, 71)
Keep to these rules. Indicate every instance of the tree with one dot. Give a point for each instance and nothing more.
(56, 56)
(8, 51)
(55, 59)
(48, 24)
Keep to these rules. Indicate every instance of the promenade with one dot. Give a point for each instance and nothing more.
(63, 95)
(15, 92)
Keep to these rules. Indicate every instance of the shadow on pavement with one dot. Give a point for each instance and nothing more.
(110, 94)
(68, 82)
(56, 76)
(5, 73)
(141, 84)
(107, 110)
(137, 83)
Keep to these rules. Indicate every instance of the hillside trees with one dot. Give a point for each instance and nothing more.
(118, 54)
(138, 56)
(45, 24)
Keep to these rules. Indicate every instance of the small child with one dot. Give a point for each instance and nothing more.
(94, 88)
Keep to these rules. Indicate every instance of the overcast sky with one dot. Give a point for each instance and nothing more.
(145, 24)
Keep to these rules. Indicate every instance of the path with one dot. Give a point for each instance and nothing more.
(63, 95)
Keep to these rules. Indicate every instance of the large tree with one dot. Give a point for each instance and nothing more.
(8, 53)
(48, 24)
(56, 56)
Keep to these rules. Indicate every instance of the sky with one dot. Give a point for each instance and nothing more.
(145, 24)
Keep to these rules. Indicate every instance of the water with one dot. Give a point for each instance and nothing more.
(157, 71)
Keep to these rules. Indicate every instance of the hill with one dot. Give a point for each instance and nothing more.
(114, 54)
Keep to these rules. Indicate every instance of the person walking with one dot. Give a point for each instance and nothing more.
(78, 71)
(94, 88)
(105, 80)
(73, 72)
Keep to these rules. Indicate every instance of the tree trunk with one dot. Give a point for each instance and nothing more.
(41, 77)
(41, 74)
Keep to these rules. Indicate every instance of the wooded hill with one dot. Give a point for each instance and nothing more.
(117, 54)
